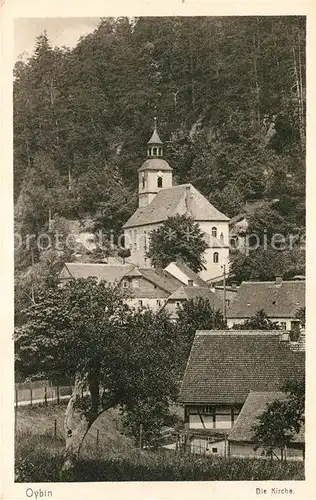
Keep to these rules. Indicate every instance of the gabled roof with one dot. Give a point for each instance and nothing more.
(277, 301)
(195, 292)
(224, 366)
(191, 275)
(254, 406)
(172, 201)
(107, 272)
(162, 279)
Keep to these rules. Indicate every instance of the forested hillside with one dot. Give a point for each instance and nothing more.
(229, 94)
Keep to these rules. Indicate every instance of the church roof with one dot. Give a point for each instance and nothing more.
(155, 139)
(155, 164)
(178, 200)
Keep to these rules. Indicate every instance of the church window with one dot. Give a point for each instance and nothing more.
(215, 257)
(214, 232)
(143, 180)
(154, 151)
(159, 182)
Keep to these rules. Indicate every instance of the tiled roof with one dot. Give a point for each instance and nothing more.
(276, 300)
(195, 292)
(155, 164)
(106, 272)
(173, 201)
(224, 366)
(254, 406)
(161, 278)
(189, 273)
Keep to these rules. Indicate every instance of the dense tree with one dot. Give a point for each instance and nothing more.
(230, 99)
(301, 315)
(178, 236)
(196, 315)
(84, 331)
(263, 264)
(281, 420)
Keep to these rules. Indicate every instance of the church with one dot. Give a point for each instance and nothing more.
(159, 198)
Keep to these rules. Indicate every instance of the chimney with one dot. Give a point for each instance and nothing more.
(190, 282)
(278, 280)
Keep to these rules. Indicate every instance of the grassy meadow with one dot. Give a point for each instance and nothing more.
(109, 455)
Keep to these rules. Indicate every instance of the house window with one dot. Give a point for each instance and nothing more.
(158, 303)
(140, 303)
(178, 304)
(282, 325)
(214, 450)
(159, 182)
(125, 284)
(215, 257)
(214, 232)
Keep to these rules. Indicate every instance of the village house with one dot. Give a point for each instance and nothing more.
(222, 369)
(145, 287)
(240, 439)
(160, 199)
(185, 293)
(148, 288)
(184, 273)
(111, 273)
(279, 299)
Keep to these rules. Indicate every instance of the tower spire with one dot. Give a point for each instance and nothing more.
(155, 144)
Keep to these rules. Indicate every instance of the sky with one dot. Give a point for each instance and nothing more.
(60, 31)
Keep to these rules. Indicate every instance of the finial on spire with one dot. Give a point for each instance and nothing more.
(155, 123)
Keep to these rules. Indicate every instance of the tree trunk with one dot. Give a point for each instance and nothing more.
(74, 437)
(300, 104)
(73, 445)
(257, 88)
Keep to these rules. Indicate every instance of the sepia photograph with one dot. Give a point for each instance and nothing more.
(159, 171)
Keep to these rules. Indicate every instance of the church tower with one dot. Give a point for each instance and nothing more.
(155, 173)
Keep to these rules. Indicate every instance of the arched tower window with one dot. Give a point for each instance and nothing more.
(159, 181)
(214, 231)
(143, 180)
(215, 257)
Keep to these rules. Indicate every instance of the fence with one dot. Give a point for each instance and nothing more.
(42, 391)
